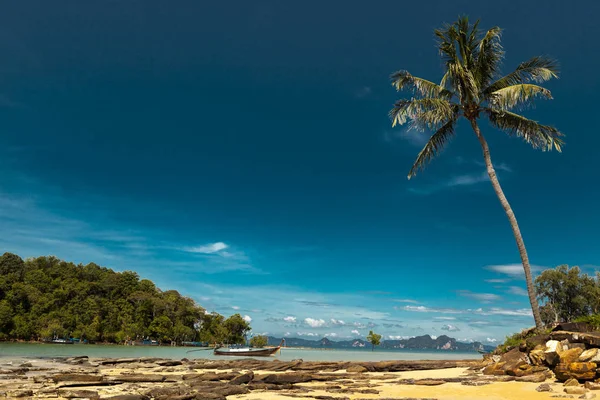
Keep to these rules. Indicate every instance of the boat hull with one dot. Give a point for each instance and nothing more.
(246, 353)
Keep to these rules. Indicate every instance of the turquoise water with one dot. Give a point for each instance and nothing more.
(37, 350)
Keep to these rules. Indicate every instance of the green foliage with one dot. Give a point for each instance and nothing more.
(45, 297)
(374, 339)
(472, 87)
(567, 294)
(592, 320)
(259, 341)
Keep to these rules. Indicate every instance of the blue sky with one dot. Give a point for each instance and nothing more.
(243, 156)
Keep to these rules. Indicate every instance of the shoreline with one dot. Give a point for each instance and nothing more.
(271, 379)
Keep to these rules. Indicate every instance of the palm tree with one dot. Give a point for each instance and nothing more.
(471, 88)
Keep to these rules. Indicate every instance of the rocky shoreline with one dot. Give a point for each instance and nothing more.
(166, 379)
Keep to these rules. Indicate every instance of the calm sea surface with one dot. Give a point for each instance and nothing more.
(37, 350)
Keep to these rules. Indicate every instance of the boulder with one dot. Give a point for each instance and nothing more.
(592, 385)
(356, 368)
(127, 397)
(535, 341)
(591, 339)
(571, 382)
(573, 327)
(21, 393)
(575, 390)
(537, 357)
(169, 363)
(588, 395)
(576, 370)
(569, 356)
(589, 355)
(538, 377)
(544, 387)
(242, 379)
(429, 382)
(552, 352)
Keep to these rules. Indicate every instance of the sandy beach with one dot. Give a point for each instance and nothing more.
(165, 379)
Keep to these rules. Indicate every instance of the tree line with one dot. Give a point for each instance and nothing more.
(45, 297)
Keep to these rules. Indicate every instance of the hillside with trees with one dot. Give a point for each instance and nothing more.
(45, 297)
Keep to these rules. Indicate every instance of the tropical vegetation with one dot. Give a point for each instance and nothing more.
(374, 339)
(259, 341)
(472, 88)
(45, 297)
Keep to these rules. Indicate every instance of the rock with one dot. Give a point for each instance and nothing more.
(242, 379)
(591, 339)
(164, 392)
(571, 382)
(570, 355)
(537, 357)
(209, 396)
(76, 378)
(552, 352)
(575, 390)
(535, 341)
(21, 393)
(573, 327)
(588, 355)
(544, 387)
(356, 368)
(139, 378)
(119, 361)
(592, 385)
(588, 395)
(429, 382)
(534, 378)
(576, 370)
(169, 363)
(286, 378)
(75, 394)
(127, 397)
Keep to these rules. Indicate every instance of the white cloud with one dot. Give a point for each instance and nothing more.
(287, 334)
(332, 334)
(337, 322)
(405, 301)
(490, 340)
(290, 319)
(359, 325)
(247, 318)
(424, 309)
(235, 307)
(513, 270)
(522, 312)
(444, 318)
(497, 280)
(482, 297)
(468, 179)
(450, 328)
(314, 323)
(311, 334)
(433, 337)
(517, 290)
(363, 92)
(355, 332)
(209, 248)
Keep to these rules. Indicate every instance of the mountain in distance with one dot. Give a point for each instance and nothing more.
(425, 342)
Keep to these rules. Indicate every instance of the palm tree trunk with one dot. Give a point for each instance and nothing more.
(513, 223)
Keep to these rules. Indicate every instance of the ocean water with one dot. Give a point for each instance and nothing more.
(38, 350)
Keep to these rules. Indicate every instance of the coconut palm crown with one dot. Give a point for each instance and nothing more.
(472, 87)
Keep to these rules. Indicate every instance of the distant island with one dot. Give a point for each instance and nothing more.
(425, 342)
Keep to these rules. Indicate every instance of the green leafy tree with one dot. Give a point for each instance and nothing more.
(472, 87)
(567, 294)
(162, 328)
(259, 341)
(236, 328)
(374, 339)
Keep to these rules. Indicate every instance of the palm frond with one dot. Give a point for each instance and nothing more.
(489, 56)
(512, 96)
(537, 135)
(433, 147)
(403, 79)
(537, 69)
(434, 118)
(447, 39)
(463, 82)
(405, 110)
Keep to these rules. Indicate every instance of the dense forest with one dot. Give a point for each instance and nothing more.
(46, 297)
